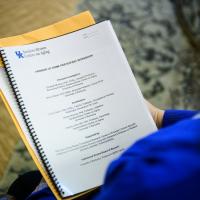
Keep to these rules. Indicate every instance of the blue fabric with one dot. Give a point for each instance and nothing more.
(44, 194)
(165, 165)
(172, 116)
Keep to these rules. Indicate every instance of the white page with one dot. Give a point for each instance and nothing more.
(83, 102)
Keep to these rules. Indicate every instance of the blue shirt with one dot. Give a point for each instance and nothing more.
(165, 165)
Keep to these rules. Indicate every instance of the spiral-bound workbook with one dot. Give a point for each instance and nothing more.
(80, 103)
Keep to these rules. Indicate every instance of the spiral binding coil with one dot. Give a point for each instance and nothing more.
(29, 125)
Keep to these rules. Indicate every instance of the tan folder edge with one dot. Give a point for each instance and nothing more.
(71, 24)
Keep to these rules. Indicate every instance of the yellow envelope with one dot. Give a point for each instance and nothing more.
(71, 24)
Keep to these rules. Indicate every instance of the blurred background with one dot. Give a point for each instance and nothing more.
(161, 39)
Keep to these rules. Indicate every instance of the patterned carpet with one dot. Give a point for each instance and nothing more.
(163, 61)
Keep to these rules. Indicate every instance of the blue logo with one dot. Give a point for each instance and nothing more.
(19, 54)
